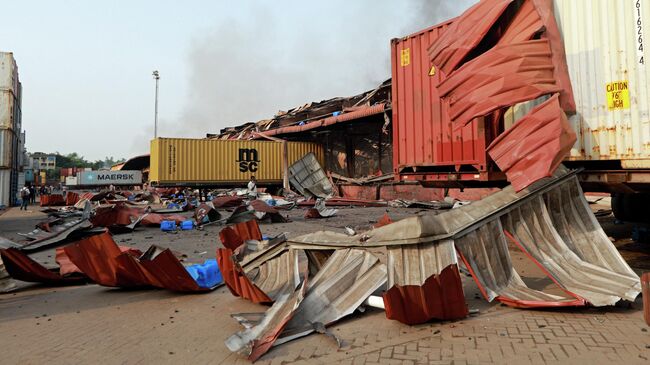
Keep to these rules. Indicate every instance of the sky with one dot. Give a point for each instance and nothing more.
(86, 66)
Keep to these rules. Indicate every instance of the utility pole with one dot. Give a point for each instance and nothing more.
(156, 77)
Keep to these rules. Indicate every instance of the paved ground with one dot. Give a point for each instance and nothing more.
(92, 324)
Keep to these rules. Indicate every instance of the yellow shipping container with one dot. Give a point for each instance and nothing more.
(185, 161)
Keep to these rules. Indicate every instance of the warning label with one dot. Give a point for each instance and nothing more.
(618, 95)
(405, 57)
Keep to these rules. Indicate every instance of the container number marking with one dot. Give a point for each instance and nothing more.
(618, 95)
(639, 31)
(405, 57)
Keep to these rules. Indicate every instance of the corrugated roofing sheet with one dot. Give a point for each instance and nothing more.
(424, 283)
(486, 255)
(571, 223)
(338, 289)
(535, 146)
(22, 267)
(559, 231)
(104, 262)
(257, 281)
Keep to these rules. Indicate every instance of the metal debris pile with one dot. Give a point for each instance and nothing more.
(413, 264)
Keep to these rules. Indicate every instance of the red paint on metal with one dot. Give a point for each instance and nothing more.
(96, 256)
(168, 273)
(66, 266)
(441, 297)
(645, 289)
(423, 136)
(236, 279)
(154, 219)
(264, 343)
(22, 267)
(234, 236)
(116, 214)
(364, 192)
(552, 33)
(501, 77)
(227, 201)
(535, 146)
(534, 17)
(383, 221)
(526, 23)
(345, 117)
(102, 260)
(410, 192)
(465, 33)
(71, 198)
(52, 200)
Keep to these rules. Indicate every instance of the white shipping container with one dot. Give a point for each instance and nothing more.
(7, 141)
(5, 188)
(8, 72)
(8, 112)
(607, 47)
(71, 180)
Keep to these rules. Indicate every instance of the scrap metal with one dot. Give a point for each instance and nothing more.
(257, 281)
(501, 77)
(22, 267)
(535, 146)
(424, 283)
(102, 260)
(465, 33)
(565, 229)
(307, 176)
(500, 53)
(341, 286)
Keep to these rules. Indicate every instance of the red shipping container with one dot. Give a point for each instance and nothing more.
(426, 146)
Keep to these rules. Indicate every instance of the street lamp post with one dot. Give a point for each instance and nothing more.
(156, 77)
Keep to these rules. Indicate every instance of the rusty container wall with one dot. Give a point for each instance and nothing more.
(183, 161)
(423, 137)
(608, 53)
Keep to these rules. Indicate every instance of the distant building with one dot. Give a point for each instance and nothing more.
(43, 161)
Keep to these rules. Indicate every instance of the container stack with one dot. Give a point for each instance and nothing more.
(10, 129)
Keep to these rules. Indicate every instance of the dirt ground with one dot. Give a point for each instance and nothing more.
(93, 324)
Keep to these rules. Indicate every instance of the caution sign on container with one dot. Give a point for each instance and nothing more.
(405, 57)
(618, 95)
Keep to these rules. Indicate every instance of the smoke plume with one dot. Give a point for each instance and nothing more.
(246, 69)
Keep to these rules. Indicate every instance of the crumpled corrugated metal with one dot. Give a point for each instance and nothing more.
(104, 262)
(257, 281)
(465, 34)
(535, 146)
(500, 53)
(501, 77)
(574, 224)
(337, 290)
(560, 233)
(22, 267)
(486, 255)
(424, 283)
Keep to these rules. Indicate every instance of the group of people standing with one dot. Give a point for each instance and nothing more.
(28, 194)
